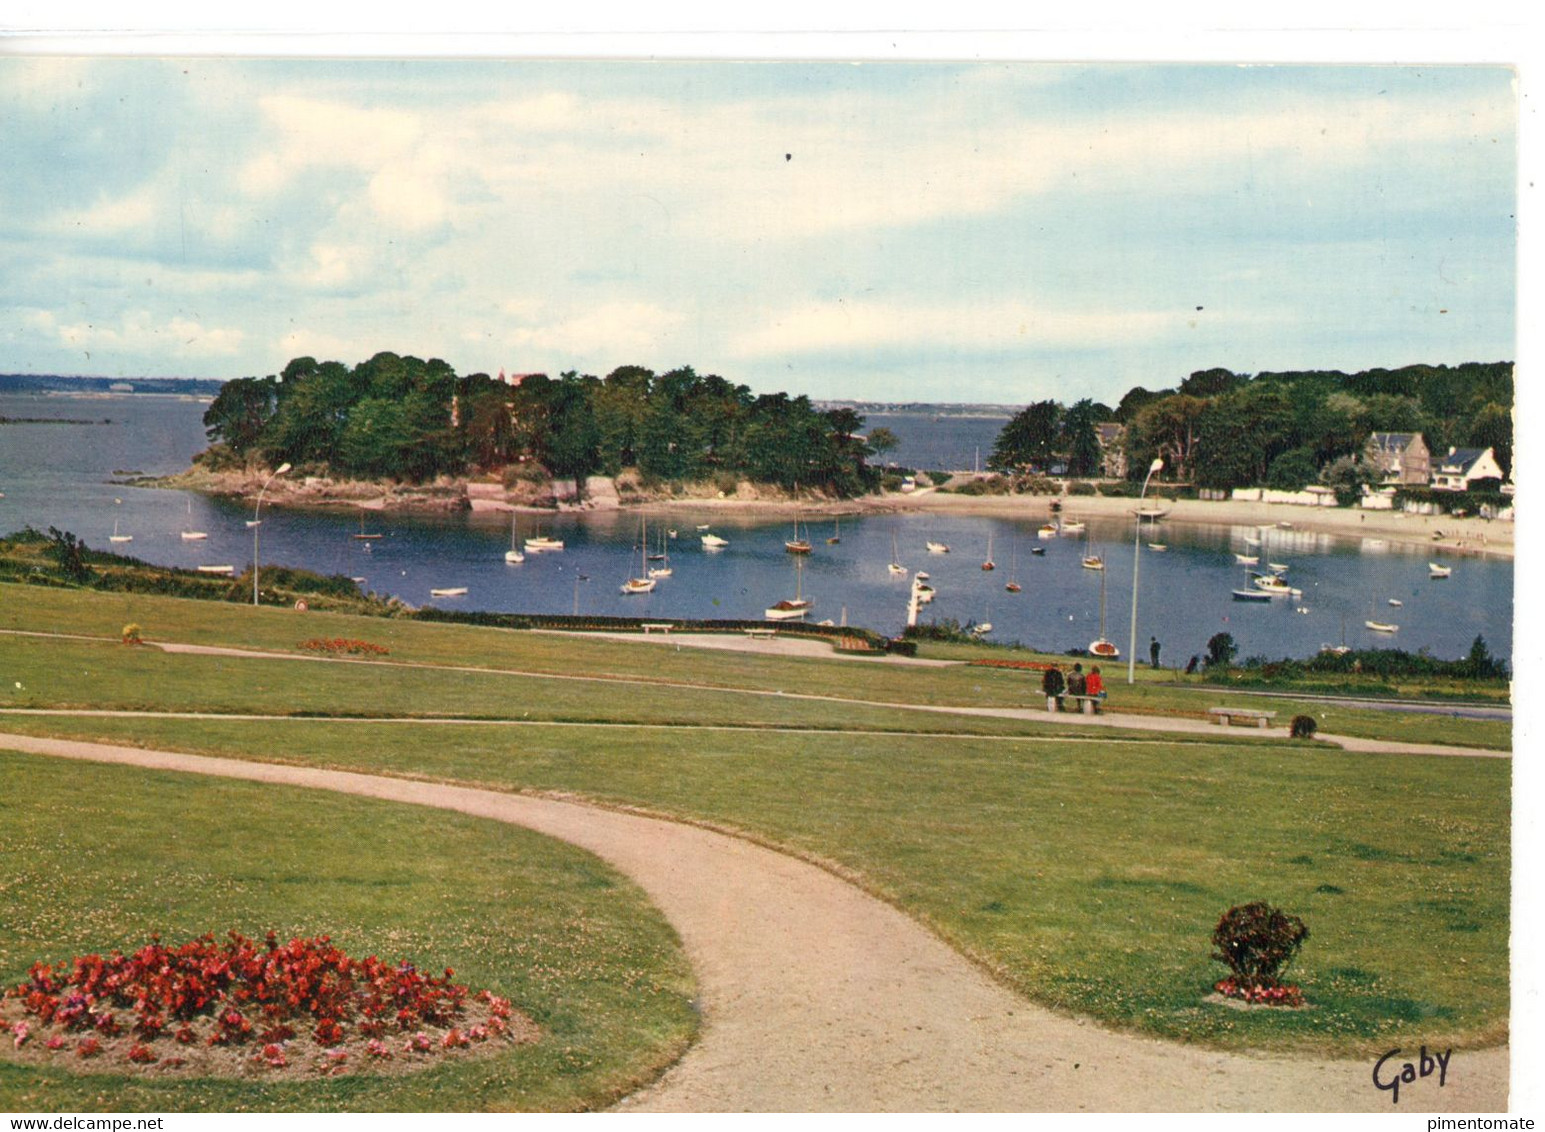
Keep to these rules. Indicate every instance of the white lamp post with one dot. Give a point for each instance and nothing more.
(257, 521)
(1137, 539)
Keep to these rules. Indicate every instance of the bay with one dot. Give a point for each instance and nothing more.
(61, 475)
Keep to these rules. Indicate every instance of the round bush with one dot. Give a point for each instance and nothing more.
(1257, 941)
(1304, 727)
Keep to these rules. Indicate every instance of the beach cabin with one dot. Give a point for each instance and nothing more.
(1463, 466)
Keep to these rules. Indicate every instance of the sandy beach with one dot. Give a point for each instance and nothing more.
(1444, 533)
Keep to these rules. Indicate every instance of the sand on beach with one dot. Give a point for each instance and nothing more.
(1466, 536)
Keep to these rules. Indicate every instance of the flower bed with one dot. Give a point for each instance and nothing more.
(1276, 994)
(343, 646)
(238, 1007)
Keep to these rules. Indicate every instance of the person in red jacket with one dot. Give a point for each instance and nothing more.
(1094, 685)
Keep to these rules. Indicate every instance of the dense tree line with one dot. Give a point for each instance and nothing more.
(1283, 430)
(409, 419)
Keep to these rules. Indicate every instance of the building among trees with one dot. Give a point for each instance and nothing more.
(1400, 457)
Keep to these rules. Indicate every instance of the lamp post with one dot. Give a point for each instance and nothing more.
(1137, 538)
(257, 521)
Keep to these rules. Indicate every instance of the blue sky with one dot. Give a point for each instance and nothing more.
(885, 231)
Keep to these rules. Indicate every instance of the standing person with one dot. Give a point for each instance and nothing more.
(1153, 651)
(1095, 686)
(1054, 687)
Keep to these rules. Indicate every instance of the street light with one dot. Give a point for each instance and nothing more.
(257, 521)
(1137, 539)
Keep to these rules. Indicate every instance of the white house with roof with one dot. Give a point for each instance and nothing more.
(1462, 467)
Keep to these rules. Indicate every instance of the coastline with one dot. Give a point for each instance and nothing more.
(1443, 534)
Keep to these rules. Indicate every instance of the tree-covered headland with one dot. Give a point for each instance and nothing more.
(403, 418)
(1220, 429)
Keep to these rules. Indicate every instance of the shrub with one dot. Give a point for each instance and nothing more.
(131, 634)
(1036, 485)
(1256, 942)
(1081, 487)
(987, 485)
(1220, 650)
(1304, 727)
(70, 555)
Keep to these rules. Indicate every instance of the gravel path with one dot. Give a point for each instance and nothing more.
(817, 996)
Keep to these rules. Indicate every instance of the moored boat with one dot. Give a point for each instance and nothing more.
(1381, 626)
(448, 591)
(1436, 571)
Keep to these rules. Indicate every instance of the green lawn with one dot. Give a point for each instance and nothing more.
(97, 857)
(1088, 874)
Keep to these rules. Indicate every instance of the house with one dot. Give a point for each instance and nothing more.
(1401, 457)
(1463, 466)
(1113, 449)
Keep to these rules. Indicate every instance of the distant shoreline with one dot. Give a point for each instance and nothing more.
(1442, 534)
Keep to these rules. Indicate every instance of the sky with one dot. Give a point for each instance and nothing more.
(886, 231)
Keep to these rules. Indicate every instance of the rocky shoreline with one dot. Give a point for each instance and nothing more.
(1441, 533)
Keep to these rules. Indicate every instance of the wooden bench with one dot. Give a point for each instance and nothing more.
(1225, 716)
(661, 626)
(760, 634)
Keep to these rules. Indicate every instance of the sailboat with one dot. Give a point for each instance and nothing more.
(1100, 647)
(643, 583)
(1092, 561)
(836, 535)
(1013, 583)
(363, 535)
(188, 533)
(989, 564)
(116, 537)
(1250, 592)
(797, 545)
(513, 555)
(937, 547)
(895, 567)
(664, 559)
(540, 542)
(1379, 626)
(793, 609)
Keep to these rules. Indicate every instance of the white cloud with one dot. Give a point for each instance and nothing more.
(139, 331)
(623, 329)
(858, 326)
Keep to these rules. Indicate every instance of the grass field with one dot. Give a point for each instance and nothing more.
(96, 857)
(1087, 874)
(216, 624)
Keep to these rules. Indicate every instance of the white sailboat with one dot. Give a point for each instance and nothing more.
(188, 533)
(116, 537)
(714, 542)
(1091, 560)
(540, 542)
(513, 555)
(1100, 647)
(643, 583)
(795, 608)
(895, 566)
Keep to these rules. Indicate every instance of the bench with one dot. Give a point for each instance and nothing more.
(760, 634)
(1089, 705)
(1225, 716)
(661, 626)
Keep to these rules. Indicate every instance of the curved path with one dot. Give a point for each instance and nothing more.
(816, 996)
